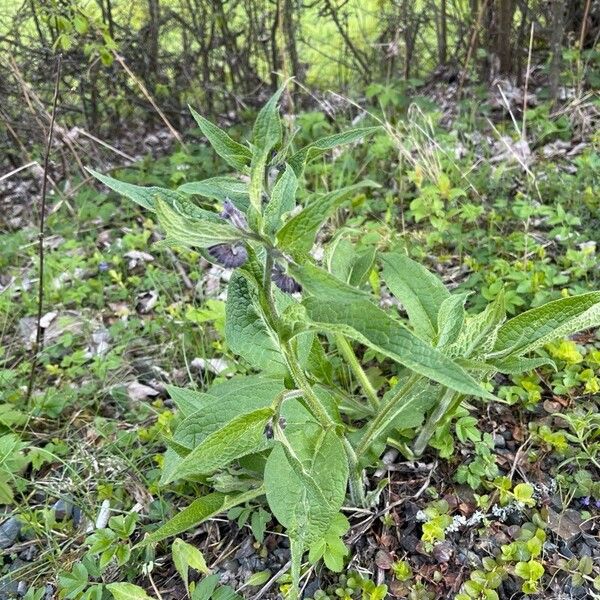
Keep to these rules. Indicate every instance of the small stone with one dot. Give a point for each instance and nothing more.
(567, 525)
(230, 566)
(443, 552)
(63, 509)
(499, 441)
(9, 532)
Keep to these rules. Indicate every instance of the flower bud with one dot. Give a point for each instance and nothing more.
(229, 255)
(234, 215)
(284, 282)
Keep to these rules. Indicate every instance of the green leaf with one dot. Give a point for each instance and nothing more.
(185, 556)
(267, 130)
(201, 234)
(142, 195)
(283, 200)
(466, 429)
(319, 147)
(74, 583)
(513, 365)
(305, 482)
(318, 282)
(127, 591)
(536, 327)
(199, 511)
(220, 189)
(420, 291)
(366, 323)
(297, 235)
(451, 317)
(187, 401)
(266, 134)
(308, 480)
(531, 570)
(246, 332)
(348, 264)
(480, 331)
(231, 152)
(241, 436)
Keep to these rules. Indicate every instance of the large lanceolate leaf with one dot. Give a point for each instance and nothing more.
(266, 134)
(283, 200)
(230, 151)
(213, 410)
(246, 332)
(220, 189)
(199, 511)
(297, 236)
(187, 401)
(241, 436)
(142, 195)
(348, 264)
(318, 282)
(196, 234)
(534, 328)
(420, 291)
(300, 158)
(207, 413)
(364, 322)
(305, 483)
(451, 318)
(479, 332)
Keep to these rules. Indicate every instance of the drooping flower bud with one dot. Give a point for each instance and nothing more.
(229, 255)
(234, 215)
(283, 281)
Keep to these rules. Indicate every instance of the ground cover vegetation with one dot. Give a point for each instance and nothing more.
(317, 305)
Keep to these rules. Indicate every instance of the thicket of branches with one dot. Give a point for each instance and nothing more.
(124, 58)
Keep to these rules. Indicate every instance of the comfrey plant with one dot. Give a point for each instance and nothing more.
(289, 433)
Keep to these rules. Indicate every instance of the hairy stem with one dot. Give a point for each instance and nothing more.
(386, 415)
(348, 354)
(446, 404)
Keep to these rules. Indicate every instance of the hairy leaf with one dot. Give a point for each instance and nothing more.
(536, 327)
(242, 435)
(246, 332)
(230, 151)
(145, 196)
(451, 318)
(366, 323)
(220, 189)
(305, 483)
(420, 291)
(266, 134)
(199, 511)
(297, 235)
(319, 147)
(200, 234)
(479, 332)
(283, 200)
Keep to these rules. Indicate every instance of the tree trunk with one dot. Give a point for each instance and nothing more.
(505, 10)
(443, 34)
(558, 26)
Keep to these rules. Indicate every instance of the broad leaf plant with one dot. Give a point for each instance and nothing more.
(289, 433)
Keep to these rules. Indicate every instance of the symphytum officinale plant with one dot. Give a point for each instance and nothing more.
(291, 433)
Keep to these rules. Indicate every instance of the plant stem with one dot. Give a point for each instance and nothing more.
(37, 347)
(348, 354)
(385, 415)
(445, 405)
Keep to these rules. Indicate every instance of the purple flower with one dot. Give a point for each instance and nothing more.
(235, 216)
(597, 504)
(585, 501)
(284, 282)
(103, 267)
(229, 255)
